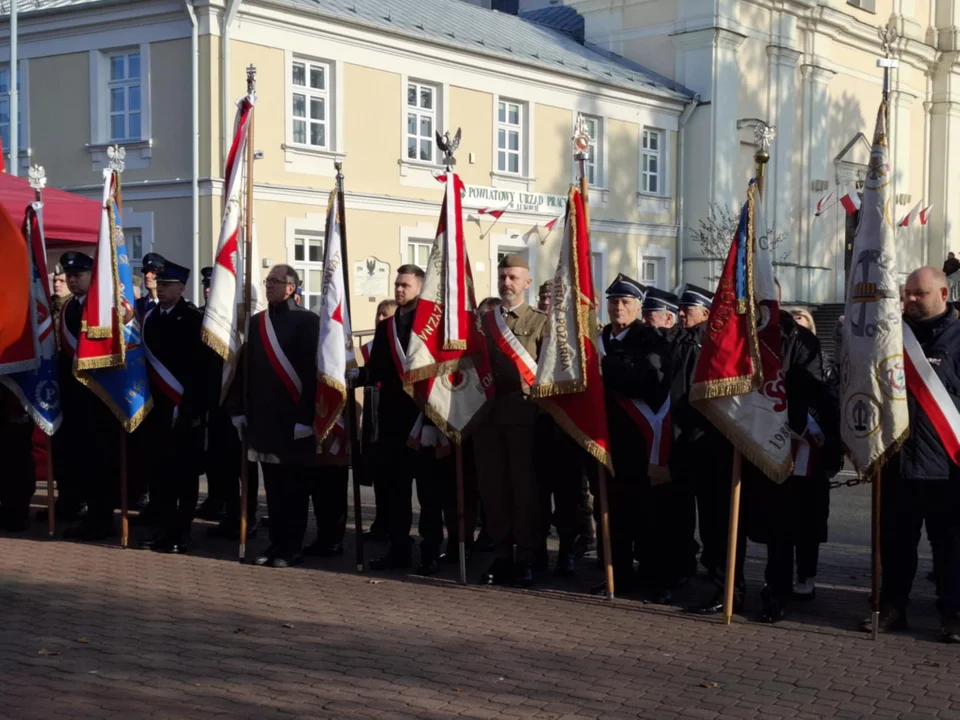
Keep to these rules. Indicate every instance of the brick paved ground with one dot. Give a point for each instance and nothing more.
(99, 632)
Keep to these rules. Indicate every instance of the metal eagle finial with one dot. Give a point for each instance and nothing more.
(763, 135)
(37, 177)
(251, 79)
(581, 138)
(449, 146)
(115, 158)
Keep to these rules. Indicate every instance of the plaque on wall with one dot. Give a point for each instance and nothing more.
(371, 277)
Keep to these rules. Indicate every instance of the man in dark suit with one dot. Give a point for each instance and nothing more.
(152, 264)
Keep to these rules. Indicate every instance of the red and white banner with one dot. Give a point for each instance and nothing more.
(568, 383)
(738, 383)
(278, 359)
(910, 216)
(823, 201)
(221, 329)
(535, 230)
(497, 214)
(805, 447)
(335, 349)
(851, 202)
(496, 327)
(365, 350)
(928, 390)
(22, 351)
(160, 376)
(657, 430)
(925, 215)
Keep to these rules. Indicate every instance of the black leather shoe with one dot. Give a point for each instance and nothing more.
(180, 546)
(209, 510)
(156, 539)
(715, 606)
(165, 544)
(391, 561)
(287, 561)
(523, 576)
(500, 573)
(266, 557)
(323, 550)
(565, 566)
(892, 619)
(773, 609)
(428, 567)
(950, 628)
(483, 543)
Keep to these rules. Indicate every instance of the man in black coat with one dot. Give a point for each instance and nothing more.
(152, 264)
(921, 484)
(176, 364)
(277, 417)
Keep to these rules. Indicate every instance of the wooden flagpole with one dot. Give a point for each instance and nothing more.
(247, 307)
(461, 529)
(875, 554)
(581, 143)
(353, 434)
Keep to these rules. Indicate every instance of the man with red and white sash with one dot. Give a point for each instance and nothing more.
(636, 374)
(921, 483)
(176, 367)
(277, 417)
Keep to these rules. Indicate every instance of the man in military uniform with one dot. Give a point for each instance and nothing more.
(87, 458)
(504, 442)
(277, 417)
(171, 339)
(152, 264)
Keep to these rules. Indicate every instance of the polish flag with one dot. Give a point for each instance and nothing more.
(851, 202)
(823, 201)
(925, 215)
(492, 213)
(909, 217)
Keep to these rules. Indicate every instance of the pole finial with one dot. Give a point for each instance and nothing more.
(37, 177)
(889, 34)
(338, 166)
(581, 139)
(251, 79)
(449, 146)
(115, 158)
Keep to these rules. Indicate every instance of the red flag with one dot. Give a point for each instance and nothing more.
(18, 350)
(823, 201)
(568, 383)
(910, 216)
(925, 215)
(851, 202)
(492, 213)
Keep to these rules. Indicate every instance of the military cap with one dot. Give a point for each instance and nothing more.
(657, 299)
(205, 274)
(171, 272)
(514, 261)
(624, 286)
(547, 287)
(58, 269)
(76, 262)
(693, 295)
(153, 262)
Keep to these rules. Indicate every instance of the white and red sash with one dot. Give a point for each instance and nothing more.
(804, 448)
(398, 354)
(932, 396)
(159, 374)
(657, 431)
(506, 341)
(365, 351)
(278, 359)
(68, 341)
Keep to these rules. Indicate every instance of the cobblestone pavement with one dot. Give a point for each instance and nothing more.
(100, 632)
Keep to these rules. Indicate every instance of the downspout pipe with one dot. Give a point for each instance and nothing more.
(14, 88)
(195, 123)
(684, 117)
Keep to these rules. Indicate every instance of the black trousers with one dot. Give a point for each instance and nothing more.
(288, 491)
(175, 478)
(625, 502)
(328, 491)
(905, 506)
(222, 457)
(18, 480)
(560, 478)
(87, 457)
(471, 500)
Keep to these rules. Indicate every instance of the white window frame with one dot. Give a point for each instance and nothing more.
(23, 137)
(139, 150)
(869, 6)
(325, 95)
(142, 221)
(596, 160)
(125, 84)
(657, 254)
(435, 114)
(660, 155)
(505, 126)
(419, 243)
(307, 159)
(306, 266)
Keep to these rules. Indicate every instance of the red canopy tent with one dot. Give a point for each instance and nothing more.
(67, 218)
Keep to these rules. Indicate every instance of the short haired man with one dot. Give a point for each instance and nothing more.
(278, 415)
(660, 308)
(176, 363)
(694, 306)
(545, 297)
(921, 484)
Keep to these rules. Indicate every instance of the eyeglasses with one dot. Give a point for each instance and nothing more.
(273, 282)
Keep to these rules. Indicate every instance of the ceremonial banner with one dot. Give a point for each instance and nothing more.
(22, 352)
(110, 358)
(38, 389)
(335, 351)
(568, 382)
(873, 386)
(221, 327)
(738, 382)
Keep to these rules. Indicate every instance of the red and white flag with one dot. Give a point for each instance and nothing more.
(335, 350)
(568, 383)
(851, 202)
(910, 216)
(492, 213)
(738, 383)
(925, 215)
(822, 204)
(365, 350)
(221, 330)
(22, 352)
(446, 368)
(535, 230)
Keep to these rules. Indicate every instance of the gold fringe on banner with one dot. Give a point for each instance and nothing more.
(330, 382)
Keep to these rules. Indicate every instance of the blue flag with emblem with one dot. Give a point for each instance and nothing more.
(120, 378)
(38, 389)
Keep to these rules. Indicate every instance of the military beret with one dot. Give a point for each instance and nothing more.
(76, 262)
(514, 261)
(693, 295)
(153, 262)
(624, 286)
(657, 299)
(171, 272)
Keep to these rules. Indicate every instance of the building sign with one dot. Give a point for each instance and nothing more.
(371, 277)
(515, 200)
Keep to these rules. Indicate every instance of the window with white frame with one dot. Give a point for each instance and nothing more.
(510, 137)
(592, 165)
(596, 267)
(310, 103)
(651, 271)
(133, 237)
(124, 110)
(418, 253)
(5, 109)
(421, 121)
(651, 173)
(308, 262)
